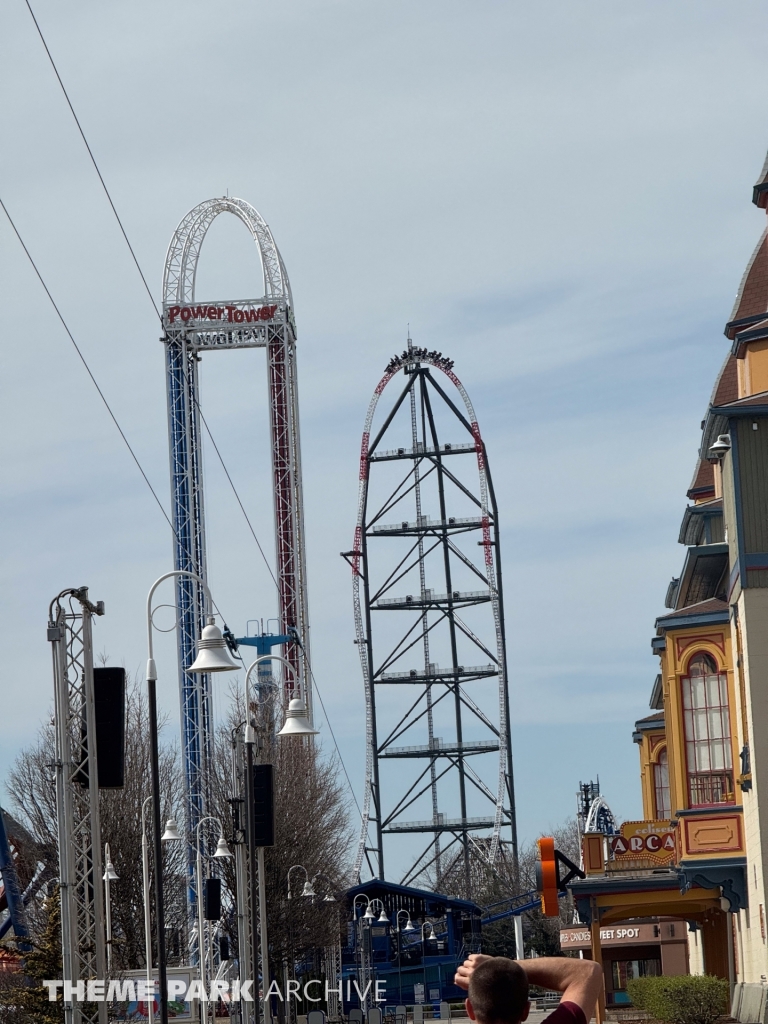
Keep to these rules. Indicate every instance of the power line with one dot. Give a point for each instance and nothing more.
(333, 736)
(93, 160)
(151, 488)
(146, 287)
(101, 393)
(87, 367)
(234, 491)
(102, 396)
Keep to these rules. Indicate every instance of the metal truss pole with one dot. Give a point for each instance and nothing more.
(332, 966)
(289, 529)
(189, 556)
(83, 939)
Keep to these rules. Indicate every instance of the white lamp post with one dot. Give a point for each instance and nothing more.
(222, 851)
(110, 875)
(382, 918)
(296, 724)
(171, 833)
(212, 650)
(408, 928)
(308, 889)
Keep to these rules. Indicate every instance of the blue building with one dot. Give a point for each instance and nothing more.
(408, 940)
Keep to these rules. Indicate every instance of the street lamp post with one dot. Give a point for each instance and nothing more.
(110, 875)
(222, 851)
(170, 833)
(426, 924)
(382, 918)
(211, 649)
(296, 724)
(367, 917)
(147, 915)
(309, 889)
(408, 928)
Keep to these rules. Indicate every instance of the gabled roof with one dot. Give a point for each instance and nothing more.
(651, 723)
(761, 398)
(705, 612)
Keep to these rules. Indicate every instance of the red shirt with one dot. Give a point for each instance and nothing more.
(566, 1013)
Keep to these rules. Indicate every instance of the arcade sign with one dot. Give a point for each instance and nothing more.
(644, 841)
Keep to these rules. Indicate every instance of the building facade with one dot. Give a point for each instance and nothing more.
(704, 748)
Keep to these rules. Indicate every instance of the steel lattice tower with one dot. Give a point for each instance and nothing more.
(191, 329)
(428, 655)
(83, 942)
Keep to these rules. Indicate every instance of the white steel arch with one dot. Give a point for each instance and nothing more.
(183, 254)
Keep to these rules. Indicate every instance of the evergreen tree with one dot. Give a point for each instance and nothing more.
(41, 963)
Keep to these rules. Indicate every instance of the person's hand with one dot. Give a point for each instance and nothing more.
(464, 973)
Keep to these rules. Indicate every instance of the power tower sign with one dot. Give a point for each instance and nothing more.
(240, 324)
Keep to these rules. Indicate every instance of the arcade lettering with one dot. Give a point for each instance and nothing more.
(231, 314)
(639, 844)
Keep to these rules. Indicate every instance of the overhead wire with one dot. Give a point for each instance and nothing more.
(85, 364)
(90, 373)
(330, 727)
(159, 315)
(93, 158)
(143, 278)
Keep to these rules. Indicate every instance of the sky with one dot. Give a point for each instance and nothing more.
(555, 195)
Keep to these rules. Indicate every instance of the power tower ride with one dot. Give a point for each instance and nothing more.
(192, 328)
(429, 618)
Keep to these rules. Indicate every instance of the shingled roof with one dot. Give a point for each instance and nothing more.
(752, 297)
(694, 611)
(703, 483)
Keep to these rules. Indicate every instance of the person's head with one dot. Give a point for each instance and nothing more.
(498, 992)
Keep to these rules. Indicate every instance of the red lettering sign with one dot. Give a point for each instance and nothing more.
(232, 314)
(639, 839)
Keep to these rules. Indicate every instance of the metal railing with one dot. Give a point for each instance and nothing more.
(706, 788)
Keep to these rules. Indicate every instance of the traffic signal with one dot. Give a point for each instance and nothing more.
(549, 882)
(546, 877)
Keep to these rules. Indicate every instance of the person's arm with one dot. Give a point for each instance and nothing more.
(464, 972)
(580, 981)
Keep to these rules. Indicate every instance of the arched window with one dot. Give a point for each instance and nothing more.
(707, 733)
(661, 785)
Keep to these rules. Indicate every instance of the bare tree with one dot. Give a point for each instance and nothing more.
(492, 883)
(31, 783)
(312, 829)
